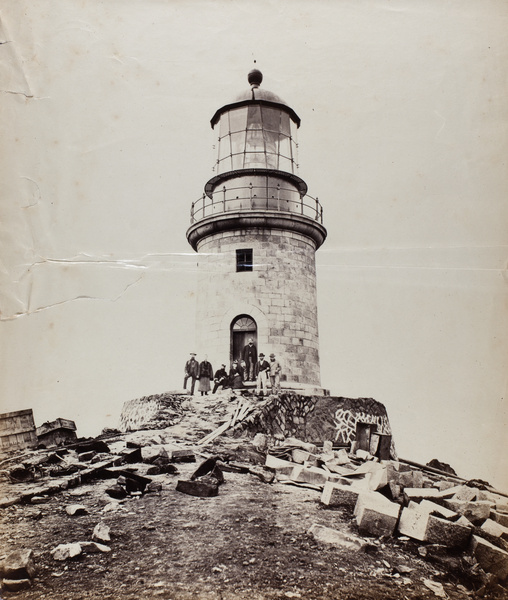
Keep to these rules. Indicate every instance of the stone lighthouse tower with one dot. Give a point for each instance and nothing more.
(256, 232)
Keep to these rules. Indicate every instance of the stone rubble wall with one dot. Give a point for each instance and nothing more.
(316, 418)
(157, 411)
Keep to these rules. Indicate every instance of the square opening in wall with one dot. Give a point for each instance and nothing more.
(244, 260)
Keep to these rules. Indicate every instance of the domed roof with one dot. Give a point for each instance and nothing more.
(256, 94)
(255, 78)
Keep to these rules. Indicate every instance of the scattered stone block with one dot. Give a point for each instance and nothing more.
(445, 485)
(150, 453)
(312, 475)
(93, 547)
(417, 494)
(116, 491)
(312, 448)
(418, 523)
(202, 489)
(378, 478)
(153, 487)
(334, 537)
(300, 456)
(16, 585)
(66, 551)
(491, 558)
(182, 455)
(413, 522)
(76, 509)
(101, 533)
(39, 499)
(476, 512)
(375, 514)
(447, 533)
(92, 445)
(432, 507)
(499, 517)
(273, 462)
(18, 565)
(86, 456)
(265, 475)
(337, 494)
(364, 454)
(131, 455)
(466, 494)
(495, 529)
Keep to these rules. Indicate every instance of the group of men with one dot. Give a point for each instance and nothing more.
(251, 367)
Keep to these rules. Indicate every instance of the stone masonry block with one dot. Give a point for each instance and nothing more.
(18, 565)
(337, 494)
(448, 533)
(466, 494)
(474, 511)
(334, 537)
(417, 494)
(499, 517)
(495, 529)
(416, 522)
(491, 558)
(413, 522)
(376, 515)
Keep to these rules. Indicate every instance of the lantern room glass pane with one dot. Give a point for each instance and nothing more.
(237, 161)
(224, 147)
(237, 119)
(284, 124)
(271, 118)
(238, 142)
(223, 125)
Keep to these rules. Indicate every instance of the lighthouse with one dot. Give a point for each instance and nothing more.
(256, 232)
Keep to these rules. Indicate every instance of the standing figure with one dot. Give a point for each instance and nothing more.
(192, 371)
(275, 370)
(220, 379)
(261, 370)
(250, 354)
(205, 374)
(236, 376)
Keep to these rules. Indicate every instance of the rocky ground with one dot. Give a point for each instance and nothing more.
(251, 541)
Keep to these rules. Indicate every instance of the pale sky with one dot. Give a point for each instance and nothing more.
(106, 142)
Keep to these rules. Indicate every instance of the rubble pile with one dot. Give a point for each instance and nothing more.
(436, 514)
(389, 498)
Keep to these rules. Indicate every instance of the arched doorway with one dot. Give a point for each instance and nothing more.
(243, 328)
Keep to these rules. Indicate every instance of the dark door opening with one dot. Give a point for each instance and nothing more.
(243, 328)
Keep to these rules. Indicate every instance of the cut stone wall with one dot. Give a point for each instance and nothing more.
(279, 294)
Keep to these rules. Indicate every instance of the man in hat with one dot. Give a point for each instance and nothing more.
(275, 370)
(192, 371)
(261, 370)
(250, 353)
(220, 379)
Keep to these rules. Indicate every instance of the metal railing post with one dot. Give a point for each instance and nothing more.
(250, 188)
(224, 198)
(278, 196)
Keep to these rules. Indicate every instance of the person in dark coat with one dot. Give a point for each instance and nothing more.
(191, 371)
(220, 379)
(250, 355)
(205, 375)
(236, 376)
(261, 372)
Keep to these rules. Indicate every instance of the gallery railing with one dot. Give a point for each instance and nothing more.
(249, 198)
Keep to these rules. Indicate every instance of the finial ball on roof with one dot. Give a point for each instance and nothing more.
(255, 77)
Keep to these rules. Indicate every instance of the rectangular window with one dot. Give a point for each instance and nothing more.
(244, 260)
